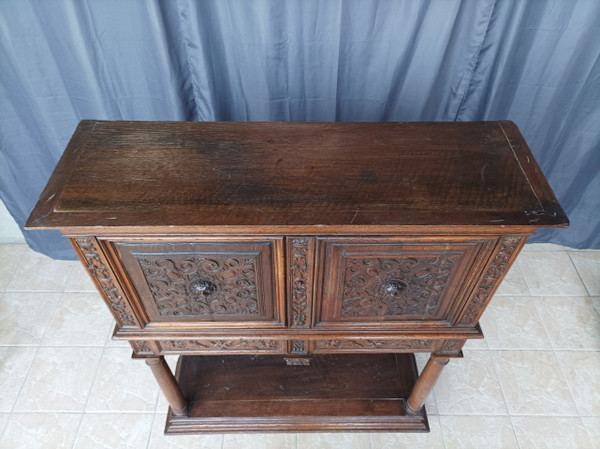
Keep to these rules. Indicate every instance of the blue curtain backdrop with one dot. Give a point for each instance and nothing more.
(534, 62)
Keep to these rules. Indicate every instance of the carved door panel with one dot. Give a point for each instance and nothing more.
(394, 281)
(224, 283)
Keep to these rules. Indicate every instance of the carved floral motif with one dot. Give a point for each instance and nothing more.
(220, 345)
(377, 286)
(194, 285)
(368, 343)
(142, 346)
(100, 272)
(299, 273)
(298, 347)
(494, 273)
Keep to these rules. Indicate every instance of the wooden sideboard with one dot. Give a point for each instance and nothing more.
(297, 267)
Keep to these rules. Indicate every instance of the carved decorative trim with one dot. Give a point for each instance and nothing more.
(359, 344)
(220, 345)
(452, 346)
(494, 273)
(407, 286)
(142, 346)
(195, 285)
(300, 279)
(298, 347)
(102, 275)
(297, 361)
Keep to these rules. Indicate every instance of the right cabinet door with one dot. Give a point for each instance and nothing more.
(397, 282)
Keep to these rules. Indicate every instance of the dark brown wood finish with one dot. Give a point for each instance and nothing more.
(297, 255)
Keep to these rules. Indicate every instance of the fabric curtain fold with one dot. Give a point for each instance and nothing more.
(536, 63)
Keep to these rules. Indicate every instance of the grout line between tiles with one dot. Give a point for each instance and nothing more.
(568, 384)
(439, 419)
(579, 275)
(151, 429)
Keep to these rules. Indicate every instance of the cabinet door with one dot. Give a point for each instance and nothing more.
(376, 280)
(226, 283)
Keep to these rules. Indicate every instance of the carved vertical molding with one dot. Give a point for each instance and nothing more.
(96, 266)
(493, 275)
(300, 265)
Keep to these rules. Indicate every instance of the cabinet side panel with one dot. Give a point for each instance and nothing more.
(95, 262)
(503, 257)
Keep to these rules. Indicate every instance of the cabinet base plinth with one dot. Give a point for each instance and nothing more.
(365, 392)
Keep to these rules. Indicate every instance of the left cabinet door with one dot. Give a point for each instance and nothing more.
(203, 283)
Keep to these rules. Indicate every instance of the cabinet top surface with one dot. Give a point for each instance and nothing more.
(160, 174)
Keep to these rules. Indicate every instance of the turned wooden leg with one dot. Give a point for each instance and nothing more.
(168, 384)
(425, 382)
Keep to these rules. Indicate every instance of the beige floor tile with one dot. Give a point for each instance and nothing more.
(548, 432)
(477, 432)
(550, 247)
(25, 316)
(122, 384)
(587, 264)
(513, 284)
(333, 440)
(397, 440)
(80, 319)
(59, 380)
(514, 323)
(159, 441)
(10, 256)
(477, 343)
(3, 422)
(571, 322)
(592, 425)
(37, 272)
(550, 274)
(15, 362)
(79, 280)
(596, 303)
(40, 431)
(582, 370)
(114, 431)
(470, 386)
(260, 441)
(533, 383)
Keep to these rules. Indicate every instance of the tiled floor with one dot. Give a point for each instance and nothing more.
(534, 382)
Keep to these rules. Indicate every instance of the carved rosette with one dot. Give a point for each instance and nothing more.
(410, 286)
(232, 345)
(300, 280)
(99, 271)
(194, 285)
(451, 347)
(142, 347)
(370, 344)
(495, 272)
(298, 347)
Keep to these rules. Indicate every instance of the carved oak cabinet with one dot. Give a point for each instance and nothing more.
(296, 267)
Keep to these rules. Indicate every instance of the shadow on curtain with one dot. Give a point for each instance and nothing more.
(536, 63)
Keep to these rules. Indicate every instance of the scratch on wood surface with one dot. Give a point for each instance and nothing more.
(483, 172)
(354, 218)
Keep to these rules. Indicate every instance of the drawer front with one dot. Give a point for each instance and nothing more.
(205, 281)
(378, 280)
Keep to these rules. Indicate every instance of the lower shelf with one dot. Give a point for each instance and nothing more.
(262, 393)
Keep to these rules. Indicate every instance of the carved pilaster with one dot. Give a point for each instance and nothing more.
(494, 274)
(97, 268)
(300, 260)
